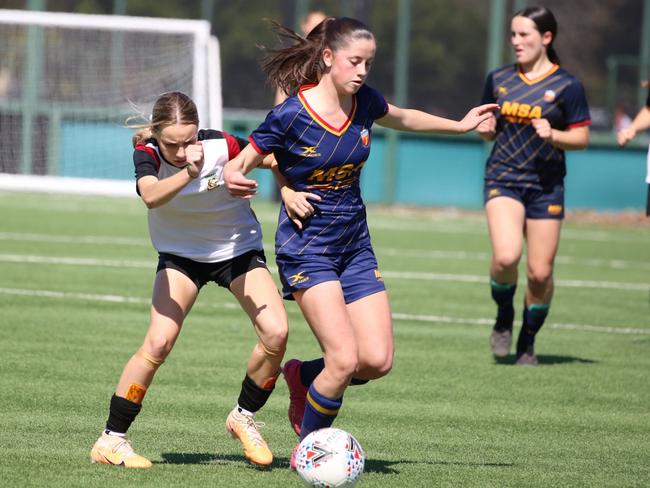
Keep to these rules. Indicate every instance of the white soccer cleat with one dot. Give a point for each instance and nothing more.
(116, 450)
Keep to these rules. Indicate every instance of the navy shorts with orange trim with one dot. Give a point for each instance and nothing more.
(539, 204)
(356, 271)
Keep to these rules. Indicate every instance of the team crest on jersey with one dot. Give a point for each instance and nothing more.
(549, 96)
(365, 137)
(310, 152)
(213, 183)
(502, 90)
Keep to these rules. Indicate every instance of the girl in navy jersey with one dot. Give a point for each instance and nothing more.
(543, 113)
(202, 234)
(321, 139)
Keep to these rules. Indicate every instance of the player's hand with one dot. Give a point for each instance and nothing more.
(238, 185)
(477, 115)
(625, 135)
(543, 129)
(194, 159)
(297, 204)
(488, 127)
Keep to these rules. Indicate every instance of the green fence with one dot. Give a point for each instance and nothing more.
(426, 171)
(447, 171)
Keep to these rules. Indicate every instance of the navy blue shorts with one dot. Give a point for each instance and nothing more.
(539, 204)
(356, 271)
(222, 273)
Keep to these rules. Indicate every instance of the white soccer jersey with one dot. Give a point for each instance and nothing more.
(203, 222)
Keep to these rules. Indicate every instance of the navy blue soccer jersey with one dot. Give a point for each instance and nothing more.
(519, 156)
(318, 158)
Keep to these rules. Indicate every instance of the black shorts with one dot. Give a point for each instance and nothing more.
(647, 205)
(222, 273)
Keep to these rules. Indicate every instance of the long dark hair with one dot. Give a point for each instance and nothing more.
(545, 22)
(301, 63)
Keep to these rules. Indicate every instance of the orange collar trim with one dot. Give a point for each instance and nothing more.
(322, 122)
(528, 81)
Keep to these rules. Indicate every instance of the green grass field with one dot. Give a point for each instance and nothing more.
(75, 282)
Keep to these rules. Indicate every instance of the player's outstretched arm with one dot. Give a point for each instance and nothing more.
(417, 121)
(488, 129)
(297, 203)
(640, 123)
(235, 170)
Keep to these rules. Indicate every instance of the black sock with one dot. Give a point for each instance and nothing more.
(310, 369)
(357, 381)
(503, 294)
(251, 396)
(121, 415)
(534, 316)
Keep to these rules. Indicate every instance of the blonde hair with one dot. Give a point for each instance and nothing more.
(169, 109)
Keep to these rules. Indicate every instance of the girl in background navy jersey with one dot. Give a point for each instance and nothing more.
(640, 123)
(202, 234)
(543, 113)
(321, 139)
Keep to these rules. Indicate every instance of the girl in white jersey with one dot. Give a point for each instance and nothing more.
(202, 234)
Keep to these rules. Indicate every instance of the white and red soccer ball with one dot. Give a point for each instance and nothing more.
(329, 458)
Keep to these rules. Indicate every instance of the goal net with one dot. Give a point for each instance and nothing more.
(68, 82)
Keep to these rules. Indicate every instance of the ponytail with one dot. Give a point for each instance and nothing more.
(141, 136)
(301, 62)
(552, 54)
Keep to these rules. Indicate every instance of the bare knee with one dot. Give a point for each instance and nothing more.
(158, 346)
(341, 367)
(539, 276)
(276, 338)
(375, 366)
(505, 260)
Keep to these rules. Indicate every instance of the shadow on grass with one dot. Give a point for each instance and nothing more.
(390, 467)
(211, 458)
(544, 359)
(379, 466)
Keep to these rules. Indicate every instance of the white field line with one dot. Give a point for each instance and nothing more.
(462, 278)
(490, 322)
(438, 319)
(385, 251)
(403, 275)
(480, 228)
(484, 256)
(475, 226)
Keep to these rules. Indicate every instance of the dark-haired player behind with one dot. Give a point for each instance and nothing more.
(543, 113)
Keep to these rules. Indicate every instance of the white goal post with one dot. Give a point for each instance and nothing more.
(68, 82)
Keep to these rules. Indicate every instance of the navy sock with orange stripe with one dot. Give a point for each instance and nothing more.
(320, 412)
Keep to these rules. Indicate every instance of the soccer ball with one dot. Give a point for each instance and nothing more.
(330, 458)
